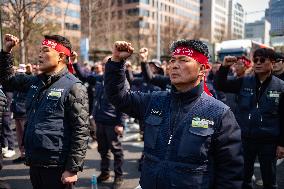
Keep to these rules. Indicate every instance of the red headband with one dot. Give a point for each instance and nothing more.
(59, 48)
(199, 57)
(192, 53)
(245, 61)
(56, 46)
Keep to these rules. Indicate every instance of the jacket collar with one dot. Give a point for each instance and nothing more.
(188, 96)
(49, 79)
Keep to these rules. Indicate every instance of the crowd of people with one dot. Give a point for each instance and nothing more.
(203, 123)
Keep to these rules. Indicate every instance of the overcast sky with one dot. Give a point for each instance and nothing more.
(252, 6)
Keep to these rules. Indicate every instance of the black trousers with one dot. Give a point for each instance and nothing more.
(7, 138)
(47, 178)
(266, 154)
(108, 140)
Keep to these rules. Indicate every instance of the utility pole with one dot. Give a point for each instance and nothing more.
(1, 29)
(158, 30)
(22, 27)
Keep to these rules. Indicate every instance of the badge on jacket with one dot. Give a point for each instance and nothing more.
(54, 94)
(201, 123)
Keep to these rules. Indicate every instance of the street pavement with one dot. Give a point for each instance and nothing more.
(17, 174)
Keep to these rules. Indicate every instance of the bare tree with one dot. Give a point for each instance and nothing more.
(23, 16)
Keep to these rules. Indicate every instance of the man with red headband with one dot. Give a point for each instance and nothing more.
(191, 140)
(56, 131)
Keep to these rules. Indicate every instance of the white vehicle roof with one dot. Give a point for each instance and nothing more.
(234, 44)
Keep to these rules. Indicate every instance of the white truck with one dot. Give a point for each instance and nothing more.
(240, 47)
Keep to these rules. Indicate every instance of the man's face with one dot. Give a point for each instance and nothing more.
(153, 68)
(98, 68)
(215, 67)
(239, 68)
(262, 65)
(48, 59)
(278, 66)
(184, 70)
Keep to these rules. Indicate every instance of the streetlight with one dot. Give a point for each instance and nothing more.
(158, 30)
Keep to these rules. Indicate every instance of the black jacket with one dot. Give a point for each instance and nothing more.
(3, 103)
(103, 111)
(75, 118)
(251, 97)
(225, 160)
(161, 81)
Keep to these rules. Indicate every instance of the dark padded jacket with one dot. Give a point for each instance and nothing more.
(3, 103)
(259, 109)
(68, 116)
(103, 111)
(191, 139)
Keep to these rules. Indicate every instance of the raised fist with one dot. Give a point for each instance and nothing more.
(143, 54)
(9, 42)
(121, 51)
(229, 61)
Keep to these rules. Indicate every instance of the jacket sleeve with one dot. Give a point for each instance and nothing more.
(3, 103)
(119, 94)
(222, 83)
(281, 112)
(78, 115)
(85, 76)
(8, 79)
(155, 79)
(228, 158)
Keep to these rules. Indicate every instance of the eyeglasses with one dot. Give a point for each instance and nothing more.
(261, 60)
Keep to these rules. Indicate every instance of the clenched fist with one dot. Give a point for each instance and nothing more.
(143, 54)
(9, 42)
(121, 51)
(229, 61)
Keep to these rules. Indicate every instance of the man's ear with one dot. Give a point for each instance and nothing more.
(62, 57)
(202, 70)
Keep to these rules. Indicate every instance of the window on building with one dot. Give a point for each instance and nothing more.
(71, 26)
(57, 11)
(73, 13)
(119, 3)
(133, 12)
(131, 1)
(49, 10)
(119, 14)
(76, 2)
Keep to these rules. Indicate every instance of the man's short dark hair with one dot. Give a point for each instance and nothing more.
(60, 39)
(279, 56)
(195, 44)
(266, 53)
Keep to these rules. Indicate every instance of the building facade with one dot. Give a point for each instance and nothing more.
(258, 31)
(214, 20)
(137, 21)
(236, 26)
(274, 14)
(67, 14)
(30, 20)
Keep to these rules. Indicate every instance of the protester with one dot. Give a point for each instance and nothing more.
(7, 139)
(56, 132)
(278, 67)
(260, 114)
(191, 139)
(3, 106)
(150, 75)
(18, 107)
(109, 127)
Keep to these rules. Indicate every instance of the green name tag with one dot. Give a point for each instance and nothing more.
(55, 94)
